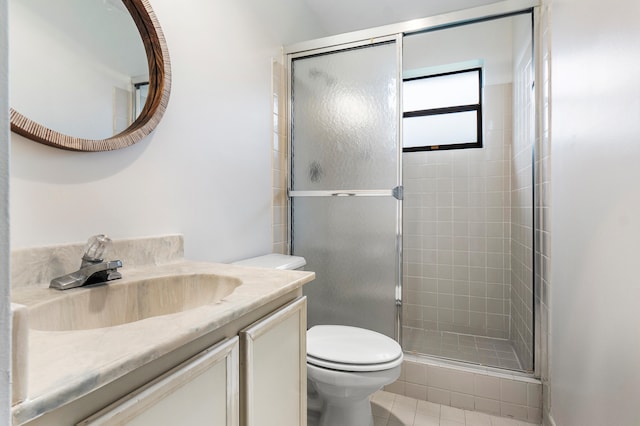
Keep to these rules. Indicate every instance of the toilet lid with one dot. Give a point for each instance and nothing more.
(351, 349)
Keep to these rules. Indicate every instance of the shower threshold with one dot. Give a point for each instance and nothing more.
(481, 350)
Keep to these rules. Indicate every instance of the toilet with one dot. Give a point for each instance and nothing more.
(345, 365)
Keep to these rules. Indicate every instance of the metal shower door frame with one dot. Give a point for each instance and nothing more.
(398, 31)
(395, 192)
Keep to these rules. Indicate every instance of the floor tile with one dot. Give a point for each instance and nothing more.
(429, 409)
(503, 421)
(462, 347)
(424, 420)
(403, 410)
(449, 423)
(474, 418)
(452, 414)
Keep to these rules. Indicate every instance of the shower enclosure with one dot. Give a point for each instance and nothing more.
(413, 201)
(468, 230)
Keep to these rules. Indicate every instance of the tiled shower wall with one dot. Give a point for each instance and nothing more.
(522, 205)
(456, 249)
(279, 159)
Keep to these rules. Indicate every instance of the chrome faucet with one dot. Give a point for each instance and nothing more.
(93, 269)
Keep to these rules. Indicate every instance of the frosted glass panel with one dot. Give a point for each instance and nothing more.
(344, 120)
(350, 243)
(441, 91)
(441, 129)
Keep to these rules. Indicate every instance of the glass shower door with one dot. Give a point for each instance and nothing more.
(345, 183)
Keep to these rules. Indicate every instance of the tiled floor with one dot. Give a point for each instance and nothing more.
(390, 409)
(461, 347)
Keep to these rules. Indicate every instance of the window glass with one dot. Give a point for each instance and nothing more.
(440, 129)
(443, 111)
(441, 91)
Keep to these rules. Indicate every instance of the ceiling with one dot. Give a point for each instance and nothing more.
(340, 16)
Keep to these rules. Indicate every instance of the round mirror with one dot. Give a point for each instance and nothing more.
(86, 75)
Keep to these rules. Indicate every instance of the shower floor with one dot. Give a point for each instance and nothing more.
(461, 347)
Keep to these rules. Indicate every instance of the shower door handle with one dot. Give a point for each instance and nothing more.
(396, 193)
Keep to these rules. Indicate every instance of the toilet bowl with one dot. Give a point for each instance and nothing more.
(345, 365)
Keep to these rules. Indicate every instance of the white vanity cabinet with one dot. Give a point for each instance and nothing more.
(200, 391)
(257, 378)
(273, 368)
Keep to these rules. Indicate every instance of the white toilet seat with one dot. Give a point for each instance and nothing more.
(345, 348)
(353, 367)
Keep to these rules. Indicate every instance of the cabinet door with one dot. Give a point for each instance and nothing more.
(273, 368)
(200, 391)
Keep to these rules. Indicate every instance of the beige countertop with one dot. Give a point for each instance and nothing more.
(66, 365)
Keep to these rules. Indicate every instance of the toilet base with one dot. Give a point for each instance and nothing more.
(345, 395)
(355, 413)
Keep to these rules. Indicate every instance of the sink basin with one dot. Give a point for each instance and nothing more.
(125, 302)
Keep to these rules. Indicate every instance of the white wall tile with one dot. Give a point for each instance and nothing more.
(512, 410)
(513, 392)
(456, 204)
(439, 377)
(439, 396)
(534, 395)
(487, 386)
(534, 415)
(462, 382)
(490, 406)
(415, 391)
(397, 387)
(462, 401)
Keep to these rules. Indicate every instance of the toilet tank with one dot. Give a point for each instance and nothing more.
(274, 261)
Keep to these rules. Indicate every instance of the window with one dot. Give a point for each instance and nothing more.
(443, 111)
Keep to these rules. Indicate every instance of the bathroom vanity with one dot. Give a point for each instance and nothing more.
(172, 342)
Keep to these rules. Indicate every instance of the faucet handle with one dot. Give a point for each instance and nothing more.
(96, 248)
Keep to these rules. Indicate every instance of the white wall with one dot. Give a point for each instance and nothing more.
(595, 292)
(5, 320)
(490, 42)
(206, 170)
